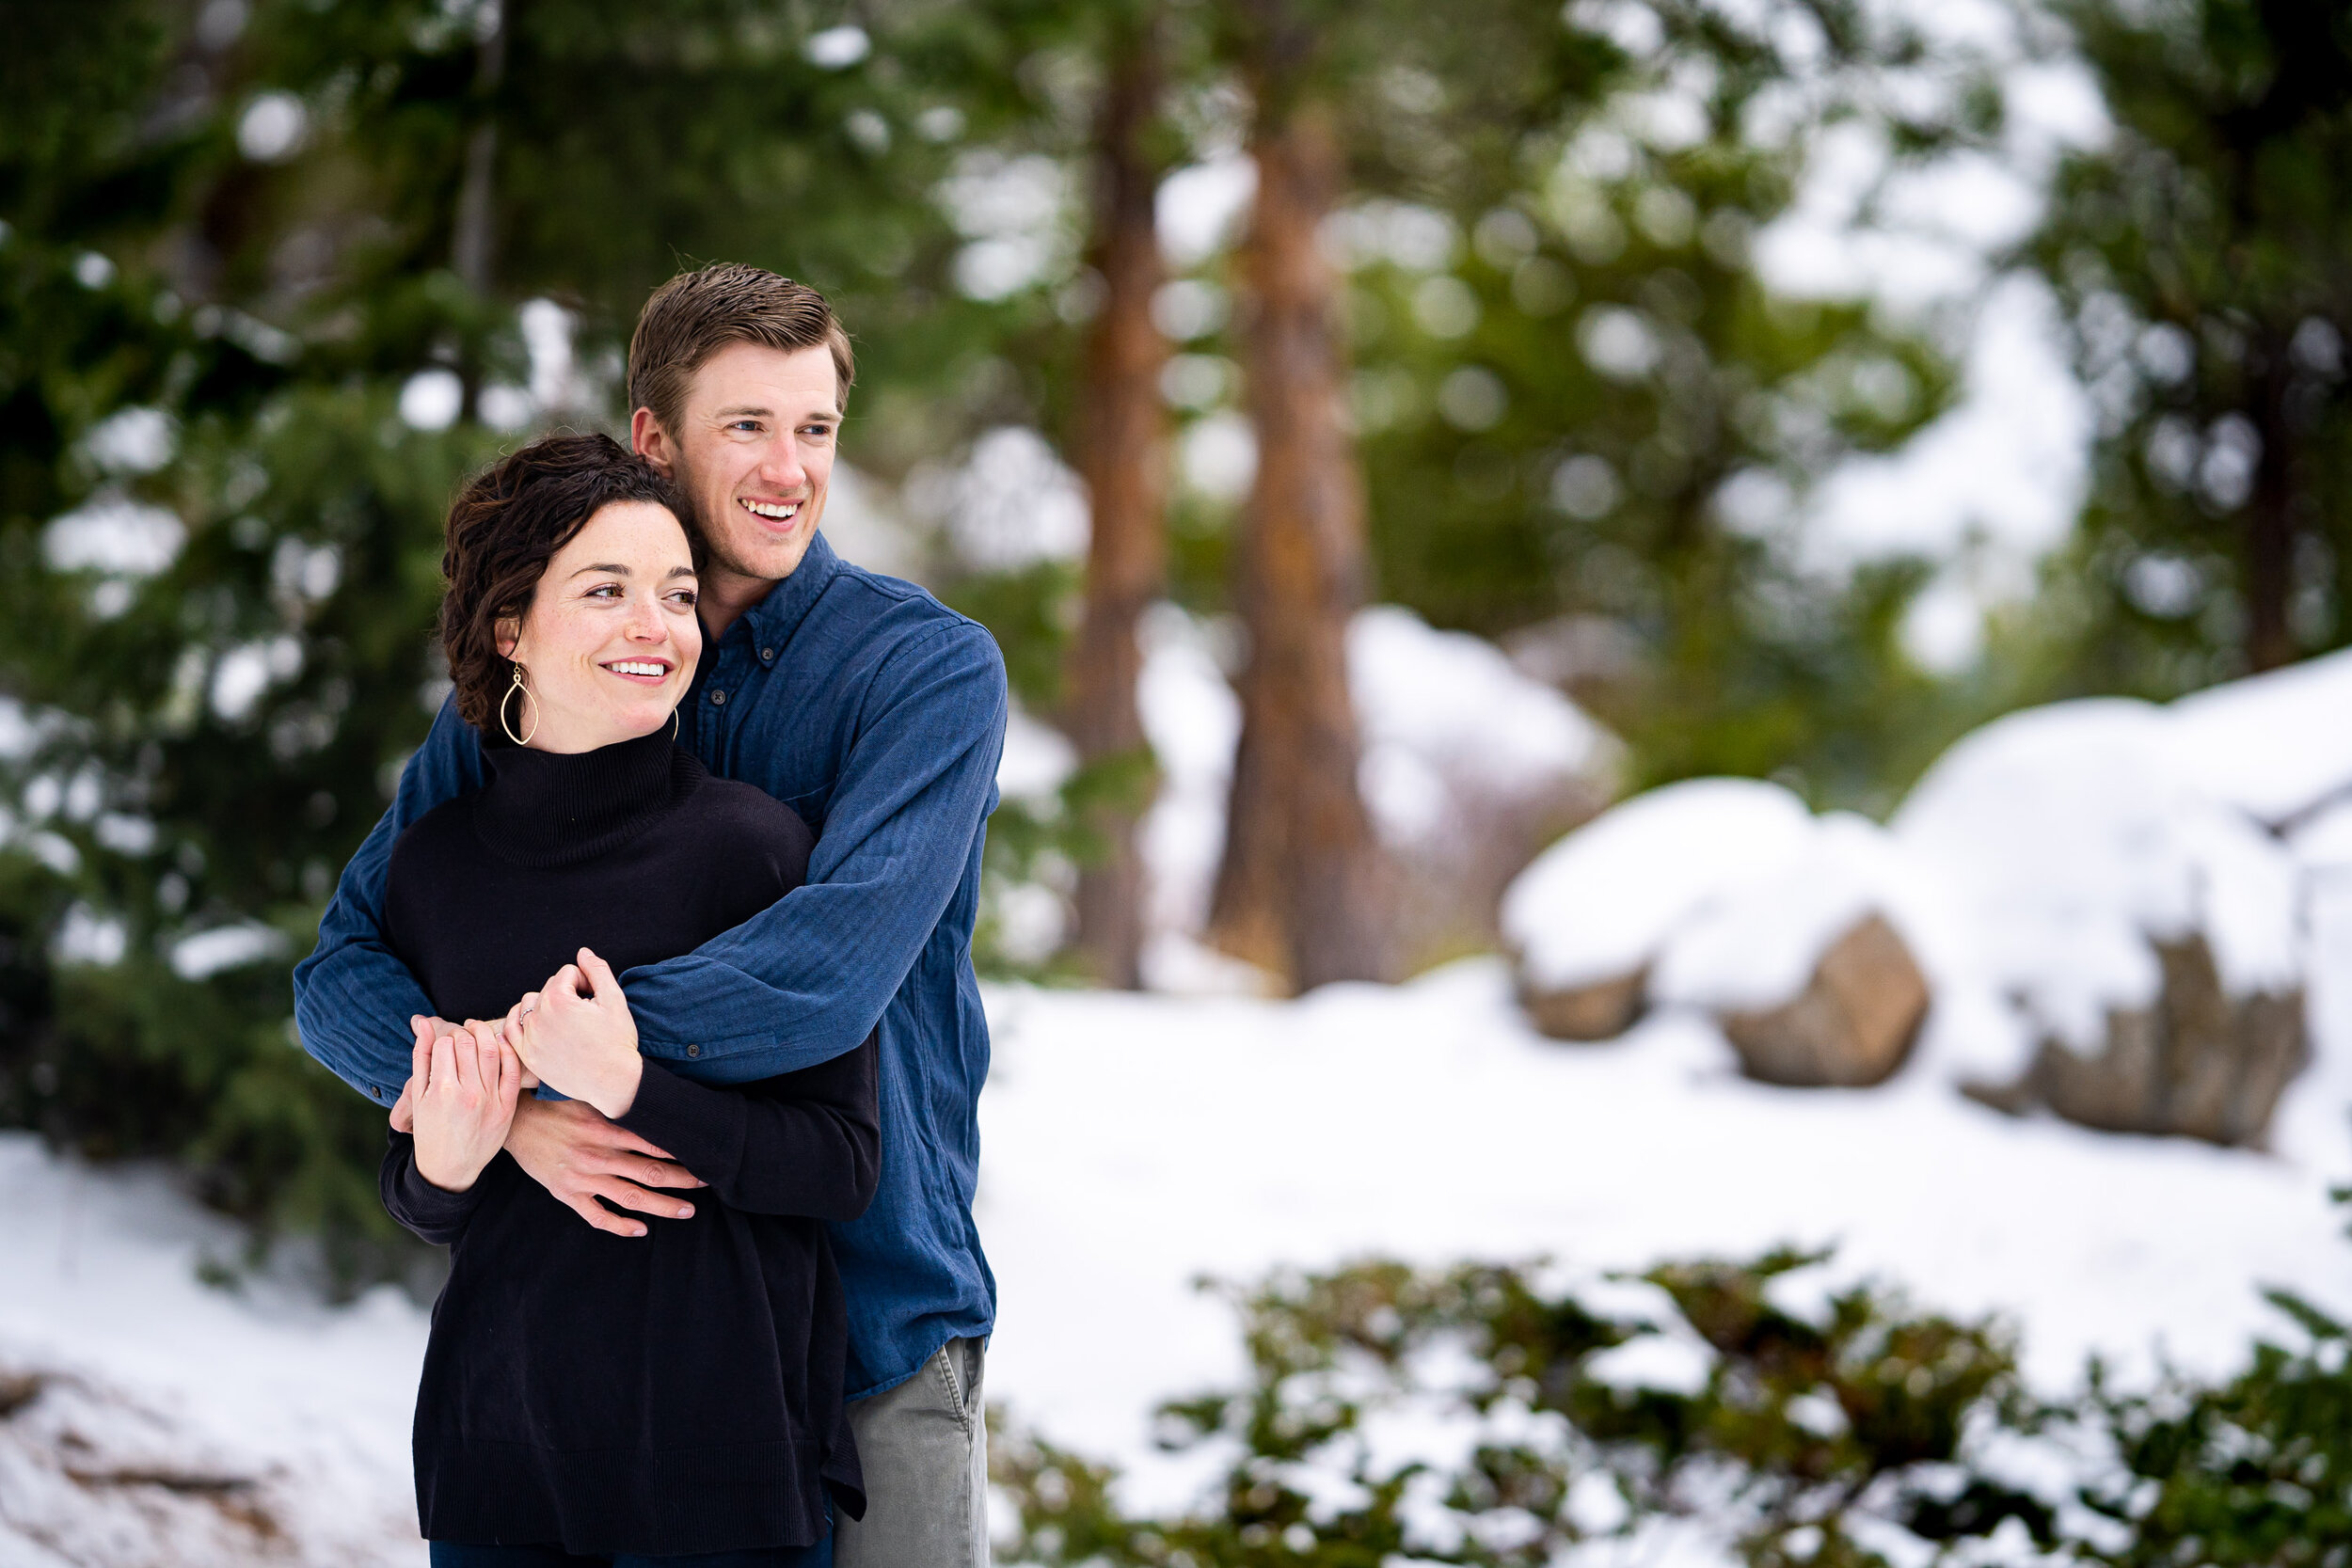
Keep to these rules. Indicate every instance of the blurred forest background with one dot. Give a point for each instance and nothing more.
(1268, 308)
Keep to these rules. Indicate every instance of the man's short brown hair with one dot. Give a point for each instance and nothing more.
(697, 313)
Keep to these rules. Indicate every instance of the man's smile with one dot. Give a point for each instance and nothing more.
(774, 512)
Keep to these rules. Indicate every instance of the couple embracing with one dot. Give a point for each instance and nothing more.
(661, 959)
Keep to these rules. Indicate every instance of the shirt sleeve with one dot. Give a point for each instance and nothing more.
(808, 1143)
(807, 980)
(353, 995)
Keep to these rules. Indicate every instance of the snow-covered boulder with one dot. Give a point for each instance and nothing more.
(1809, 963)
(2275, 745)
(1589, 917)
(2146, 927)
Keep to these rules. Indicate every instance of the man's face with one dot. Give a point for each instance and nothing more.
(753, 453)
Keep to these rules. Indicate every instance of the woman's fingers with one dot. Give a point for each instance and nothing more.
(468, 1056)
(601, 979)
(441, 1078)
(510, 1081)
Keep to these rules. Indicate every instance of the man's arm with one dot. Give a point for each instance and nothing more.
(353, 995)
(354, 998)
(808, 979)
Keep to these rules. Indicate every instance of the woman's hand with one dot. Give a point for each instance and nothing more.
(461, 1098)
(576, 1033)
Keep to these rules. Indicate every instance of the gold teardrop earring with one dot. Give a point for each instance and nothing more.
(529, 708)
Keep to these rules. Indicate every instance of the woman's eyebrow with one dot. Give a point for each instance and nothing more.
(612, 566)
(681, 571)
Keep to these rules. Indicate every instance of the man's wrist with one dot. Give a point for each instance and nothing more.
(526, 1108)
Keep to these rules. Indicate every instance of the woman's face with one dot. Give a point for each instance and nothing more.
(610, 640)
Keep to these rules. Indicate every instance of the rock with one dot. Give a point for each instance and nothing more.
(1851, 1026)
(1598, 1010)
(2199, 1063)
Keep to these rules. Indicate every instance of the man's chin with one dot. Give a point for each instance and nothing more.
(768, 559)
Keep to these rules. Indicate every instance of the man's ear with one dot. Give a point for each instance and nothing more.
(649, 440)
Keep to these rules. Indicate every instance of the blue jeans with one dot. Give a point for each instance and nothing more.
(454, 1554)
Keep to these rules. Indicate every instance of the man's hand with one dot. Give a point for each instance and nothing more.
(461, 1094)
(576, 1033)
(575, 1153)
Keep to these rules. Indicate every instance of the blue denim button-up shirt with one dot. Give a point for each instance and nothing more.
(878, 715)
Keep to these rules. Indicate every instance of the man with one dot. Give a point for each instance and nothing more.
(878, 716)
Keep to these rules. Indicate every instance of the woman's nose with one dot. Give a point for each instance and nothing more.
(645, 625)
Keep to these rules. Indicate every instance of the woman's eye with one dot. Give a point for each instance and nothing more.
(605, 591)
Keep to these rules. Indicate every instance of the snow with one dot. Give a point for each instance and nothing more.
(1756, 943)
(2070, 835)
(307, 1405)
(1599, 904)
(1442, 710)
(113, 534)
(2273, 745)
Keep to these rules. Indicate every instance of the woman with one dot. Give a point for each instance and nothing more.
(589, 1397)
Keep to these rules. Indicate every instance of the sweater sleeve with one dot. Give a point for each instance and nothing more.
(434, 1215)
(804, 1142)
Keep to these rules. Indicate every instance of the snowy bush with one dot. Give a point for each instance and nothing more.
(1499, 1416)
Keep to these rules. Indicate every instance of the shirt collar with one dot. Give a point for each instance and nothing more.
(775, 618)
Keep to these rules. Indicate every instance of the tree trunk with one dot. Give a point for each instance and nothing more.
(1123, 457)
(2270, 518)
(1304, 886)
(470, 236)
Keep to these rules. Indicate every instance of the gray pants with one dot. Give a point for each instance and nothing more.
(924, 1449)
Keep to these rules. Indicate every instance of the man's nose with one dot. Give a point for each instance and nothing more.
(781, 466)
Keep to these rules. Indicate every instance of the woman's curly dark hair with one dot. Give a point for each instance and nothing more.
(504, 527)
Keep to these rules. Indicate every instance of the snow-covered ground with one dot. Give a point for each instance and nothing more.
(1136, 1142)
(176, 1425)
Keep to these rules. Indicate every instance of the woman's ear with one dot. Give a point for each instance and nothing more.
(506, 634)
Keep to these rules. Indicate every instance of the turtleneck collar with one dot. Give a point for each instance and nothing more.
(550, 808)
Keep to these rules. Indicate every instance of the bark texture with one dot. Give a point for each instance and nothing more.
(1123, 457)
(1304, 888)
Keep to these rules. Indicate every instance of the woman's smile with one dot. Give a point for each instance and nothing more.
(609, 640)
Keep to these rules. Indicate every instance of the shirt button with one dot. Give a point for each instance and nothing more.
(766, 653)
(694, 1051)
(720, 698)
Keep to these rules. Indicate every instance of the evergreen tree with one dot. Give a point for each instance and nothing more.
(2199, 254)
(262, 277)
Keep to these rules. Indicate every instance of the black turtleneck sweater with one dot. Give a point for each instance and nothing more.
(671, 1394)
